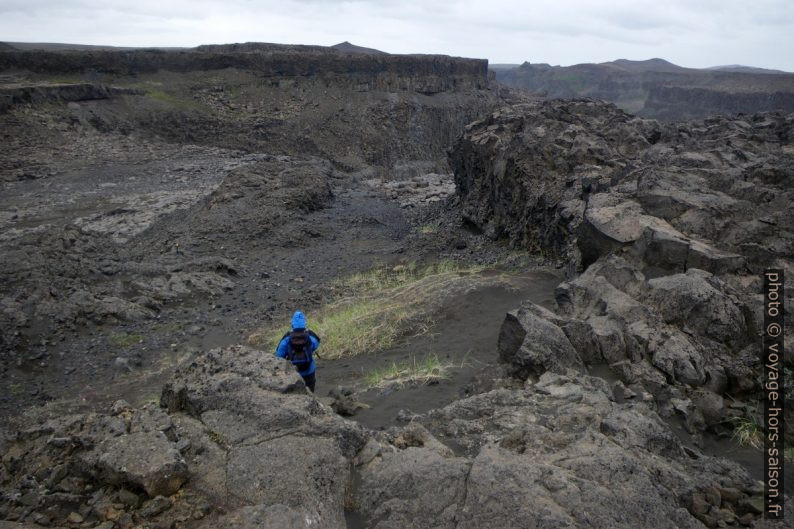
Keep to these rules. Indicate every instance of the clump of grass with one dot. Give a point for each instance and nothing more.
(382, 278)
(350, 328)
(124, 339)
(217, 438)
(153, 399)
(428, 229)
(162, 96)
(376, 308)
(426, 371)
(64, 80)
(747, 432)
(788, 453)
(155, 93)
(174, 326)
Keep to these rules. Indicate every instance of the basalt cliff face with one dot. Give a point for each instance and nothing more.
(658, 89)
(675, 102)
(358, 110)
(422, 73)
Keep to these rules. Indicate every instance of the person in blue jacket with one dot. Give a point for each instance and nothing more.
(298, 346)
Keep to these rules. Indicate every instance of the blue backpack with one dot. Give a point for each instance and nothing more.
(300, 347)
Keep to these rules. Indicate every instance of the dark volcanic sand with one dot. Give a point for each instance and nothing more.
(464, 334)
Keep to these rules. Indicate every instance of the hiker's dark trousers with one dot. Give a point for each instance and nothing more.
(310, 381)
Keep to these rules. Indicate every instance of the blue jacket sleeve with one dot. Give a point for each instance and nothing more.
(315, 343)
(283, 348)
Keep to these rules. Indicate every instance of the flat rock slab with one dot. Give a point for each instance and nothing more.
(144, 459)
(620, 220)
(670, 249)
(308, 475)
(413, 484)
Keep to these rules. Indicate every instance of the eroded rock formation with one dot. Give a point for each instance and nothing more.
(664, 230)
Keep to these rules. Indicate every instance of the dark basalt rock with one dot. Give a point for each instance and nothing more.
(660, 228)
(423, 73)
(27, 94)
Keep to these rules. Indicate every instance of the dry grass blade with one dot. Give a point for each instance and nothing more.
(429, 370)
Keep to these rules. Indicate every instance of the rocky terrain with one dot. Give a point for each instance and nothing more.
(658, 89)
(665, 230)
(151, 222)
(223, 449)
(119, 202)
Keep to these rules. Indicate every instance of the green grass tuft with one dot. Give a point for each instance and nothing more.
(747, 432)
(124, 339)
(429, 370)
(217, 438)
(163, 96)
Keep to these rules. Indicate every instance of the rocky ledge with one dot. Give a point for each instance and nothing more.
(422, 73)
(240, 442)
(11, 95)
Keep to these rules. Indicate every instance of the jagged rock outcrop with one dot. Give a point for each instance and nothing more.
(88, 467)
(520, 172)
(663, 229)
(41, 93)
(242, 443)
(281, 447)
(531, 342)
(582, 178)
(240, 434)
(559, 452)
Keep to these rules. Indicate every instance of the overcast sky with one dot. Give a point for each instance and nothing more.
(694, 33)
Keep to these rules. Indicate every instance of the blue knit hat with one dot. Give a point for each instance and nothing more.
(298, 320)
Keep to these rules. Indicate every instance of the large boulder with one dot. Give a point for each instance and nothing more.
(205, 380)
(669, 249)
(612, 221)
(699, 302)
(530, 343)
(247, 395)
(404, 489)
(146, 460)
(308, 475)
